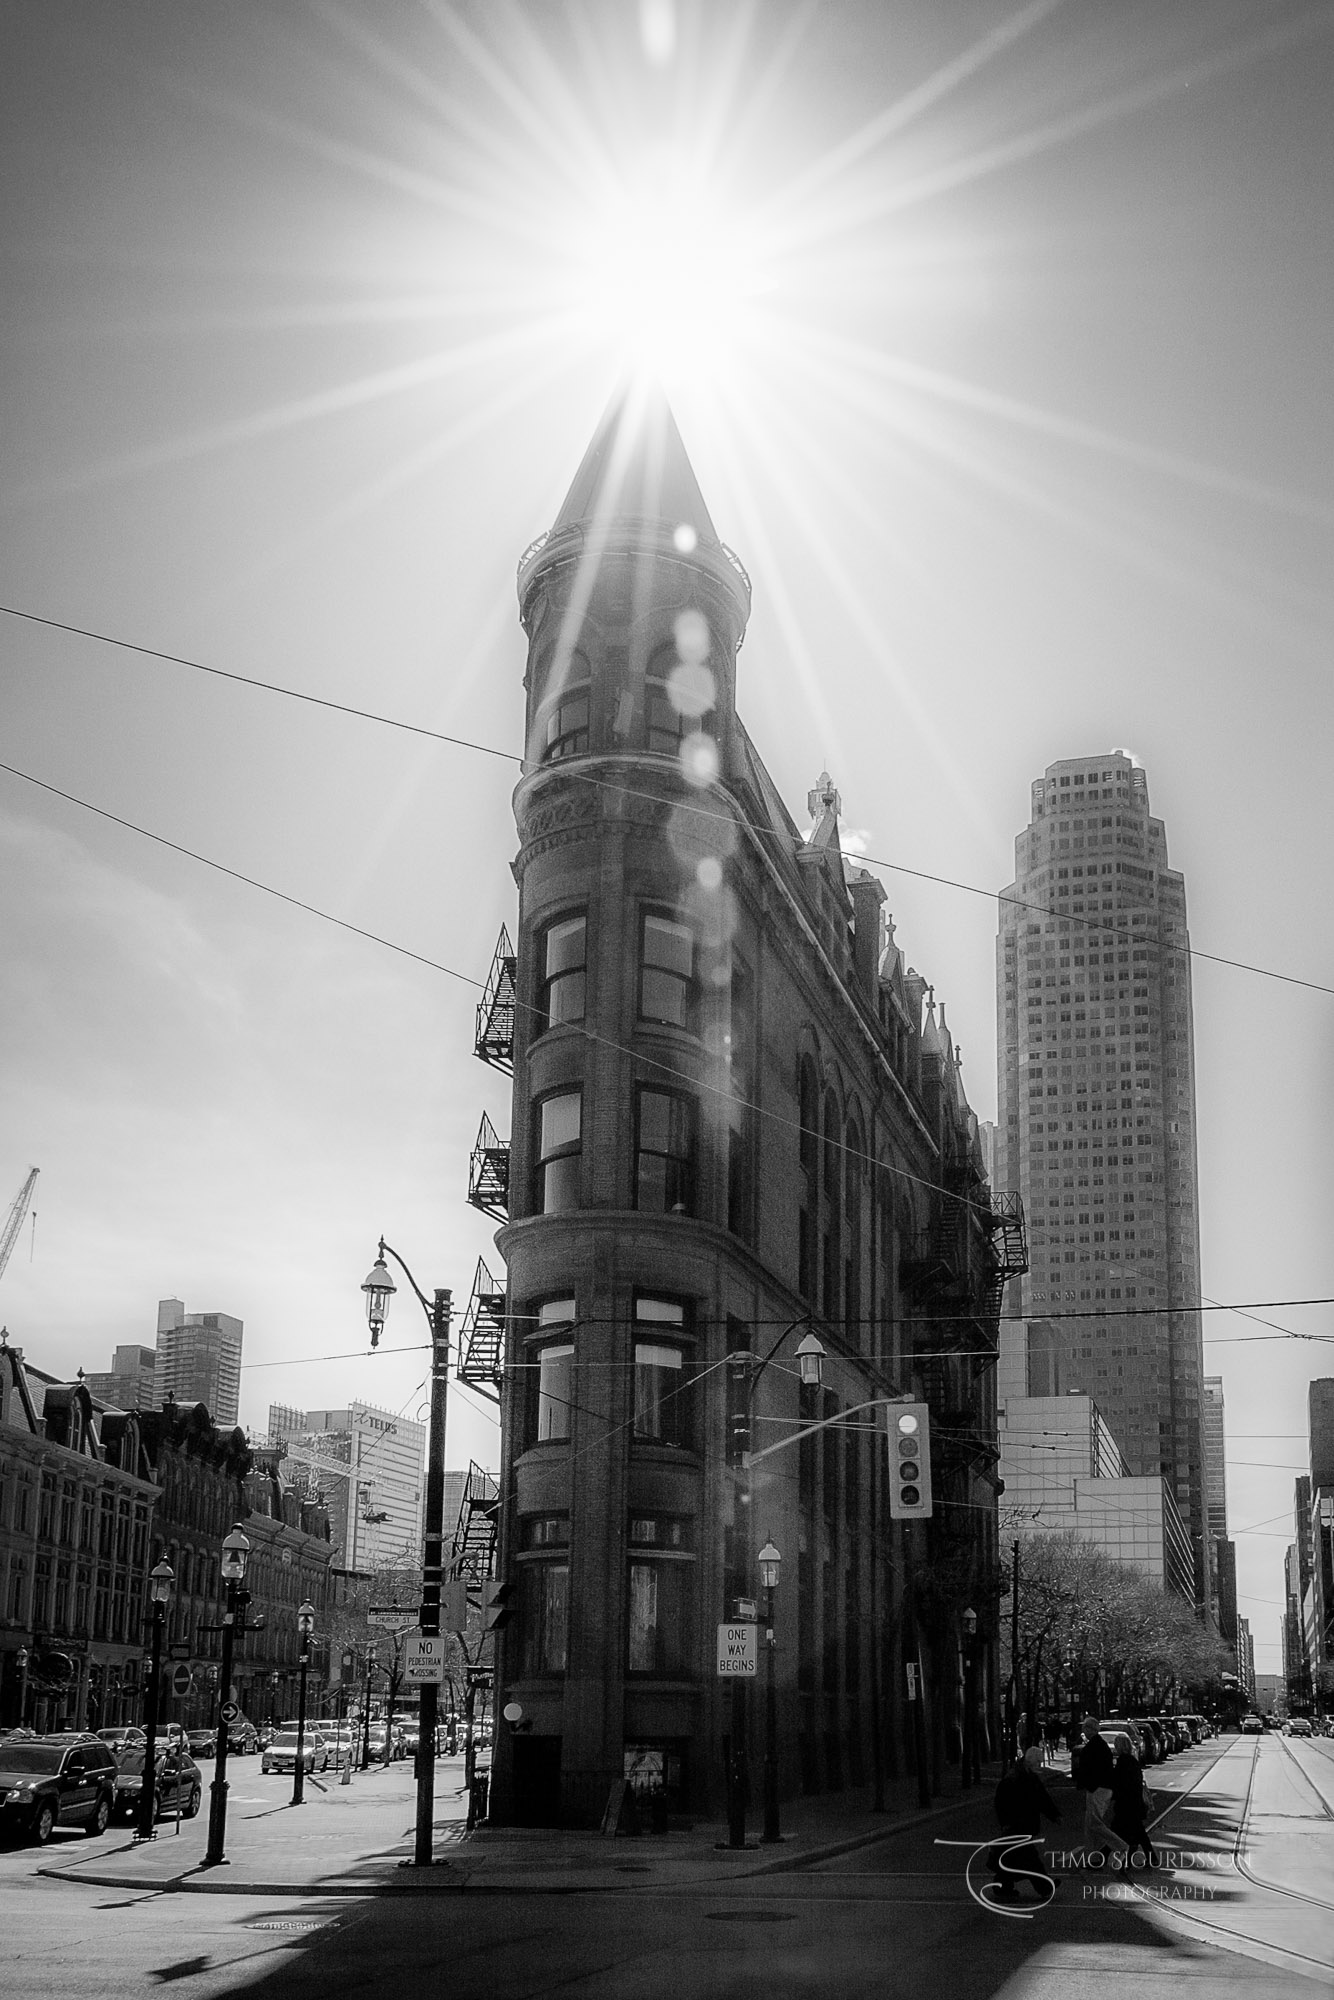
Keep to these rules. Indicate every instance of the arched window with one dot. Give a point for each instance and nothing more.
(563, 718)
(831, 1209)
(854, 1187)
(678, 700)
(808, 1143)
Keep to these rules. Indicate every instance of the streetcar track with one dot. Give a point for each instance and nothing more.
(1224, 1932)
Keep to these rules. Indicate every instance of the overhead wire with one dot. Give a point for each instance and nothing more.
(695, 807)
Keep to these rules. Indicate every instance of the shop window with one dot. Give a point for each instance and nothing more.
(559, 1143)
(562, 949)
(658, 1625)
(544, 1616)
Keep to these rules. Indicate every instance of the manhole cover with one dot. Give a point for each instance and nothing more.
(751, 1916)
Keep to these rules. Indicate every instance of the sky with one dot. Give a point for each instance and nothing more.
(999, 340)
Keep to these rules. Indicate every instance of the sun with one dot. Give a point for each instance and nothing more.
(668, 274)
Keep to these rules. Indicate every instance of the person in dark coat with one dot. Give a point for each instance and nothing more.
(1022, 1803)
(1092, 1768)
(1128, 1813)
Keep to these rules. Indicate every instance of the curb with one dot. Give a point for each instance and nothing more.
(190, 1883)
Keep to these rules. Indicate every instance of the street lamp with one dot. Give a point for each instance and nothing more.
(366, 1711)
(305, 1625)
(235, 1555)
(159, 1591)
(379, 1288)
(769, 1561)
(972, 1766)
(21, 1659)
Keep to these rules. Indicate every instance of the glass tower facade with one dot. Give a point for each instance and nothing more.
(1096, 1119)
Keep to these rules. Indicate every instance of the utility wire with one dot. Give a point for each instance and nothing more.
(1089, 924)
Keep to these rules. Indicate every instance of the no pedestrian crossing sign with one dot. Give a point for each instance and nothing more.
(738, 1650)
(424, 1657)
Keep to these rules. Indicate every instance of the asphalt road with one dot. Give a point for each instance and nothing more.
(893, 1921)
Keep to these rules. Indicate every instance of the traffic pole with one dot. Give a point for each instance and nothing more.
(433, 1562)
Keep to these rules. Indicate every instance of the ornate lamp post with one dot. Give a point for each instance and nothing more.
(366, 1710)
(972, 1765)
(159, 1591)
(379, 1288)
(305, 1625)
(235, 1556)
(769, 1561)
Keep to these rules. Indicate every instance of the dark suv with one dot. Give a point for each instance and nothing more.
(50, 1781)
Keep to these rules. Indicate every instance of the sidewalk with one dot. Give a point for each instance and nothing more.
(358, 1840)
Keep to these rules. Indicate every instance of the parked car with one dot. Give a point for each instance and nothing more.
(178, 1786)
(1117, 1725)
(281, 1752)
(338, 1740)
(1155, 1745)
(126, 1737)
(1252, 1725)
(202, 1742)
(1299, 1726)
(50, 1781)
(243, 1738)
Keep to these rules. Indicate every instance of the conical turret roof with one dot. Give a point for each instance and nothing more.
(636, 468)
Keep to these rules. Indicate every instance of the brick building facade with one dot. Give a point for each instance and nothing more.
(737, 1114)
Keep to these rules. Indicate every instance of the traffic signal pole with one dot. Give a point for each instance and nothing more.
(433, 1564)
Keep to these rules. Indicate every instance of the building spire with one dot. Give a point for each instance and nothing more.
(636, 468)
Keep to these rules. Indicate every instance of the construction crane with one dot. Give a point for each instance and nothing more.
(16, 1215)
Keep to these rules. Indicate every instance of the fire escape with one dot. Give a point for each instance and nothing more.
(489, 1172)
(495, 1009)
(475, 1533)
(482, 1334)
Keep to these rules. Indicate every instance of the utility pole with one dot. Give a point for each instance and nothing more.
(1014, 1653)
(913, 1667)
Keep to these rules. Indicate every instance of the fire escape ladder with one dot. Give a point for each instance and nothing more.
(489, 1172)
(1010, 1245)
(495, 1009)
(482, 1333)
(475, 1532)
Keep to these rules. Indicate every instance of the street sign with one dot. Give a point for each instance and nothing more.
(392, 1617)
(738, 1650)
(454, 1604)
(182, 1680)
(229, 1711)
(179, 1652)
(424, 1657)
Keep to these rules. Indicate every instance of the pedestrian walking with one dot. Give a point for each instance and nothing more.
(1022, 1803)
(1130, 1805)
(1093, 1768)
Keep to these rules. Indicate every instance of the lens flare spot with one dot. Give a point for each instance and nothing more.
(709, 874)
(684, 538)
(691, 689)
(699, 759)
(691, 633)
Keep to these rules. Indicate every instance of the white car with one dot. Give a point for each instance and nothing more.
(281, 1752)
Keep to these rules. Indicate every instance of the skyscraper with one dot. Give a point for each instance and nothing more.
(199, 1360)
(1215, 1454)
(1097, 1116)
(370, 1466)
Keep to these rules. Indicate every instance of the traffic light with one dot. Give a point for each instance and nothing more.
(909, 1462)
(499, 1605)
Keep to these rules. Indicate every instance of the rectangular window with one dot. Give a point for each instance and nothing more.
(665, 1153)
(658, 1623)
(662, 1379)
(544, 1600)
(554, 1374)
(567, 727)
(563, 957)
(667, 972)
(559, 1140)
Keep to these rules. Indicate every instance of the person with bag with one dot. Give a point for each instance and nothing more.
(1092, 1768)
(1131, 1804)
(1022, 1803)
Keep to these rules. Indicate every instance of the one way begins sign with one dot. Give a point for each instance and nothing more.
(739, 1650)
